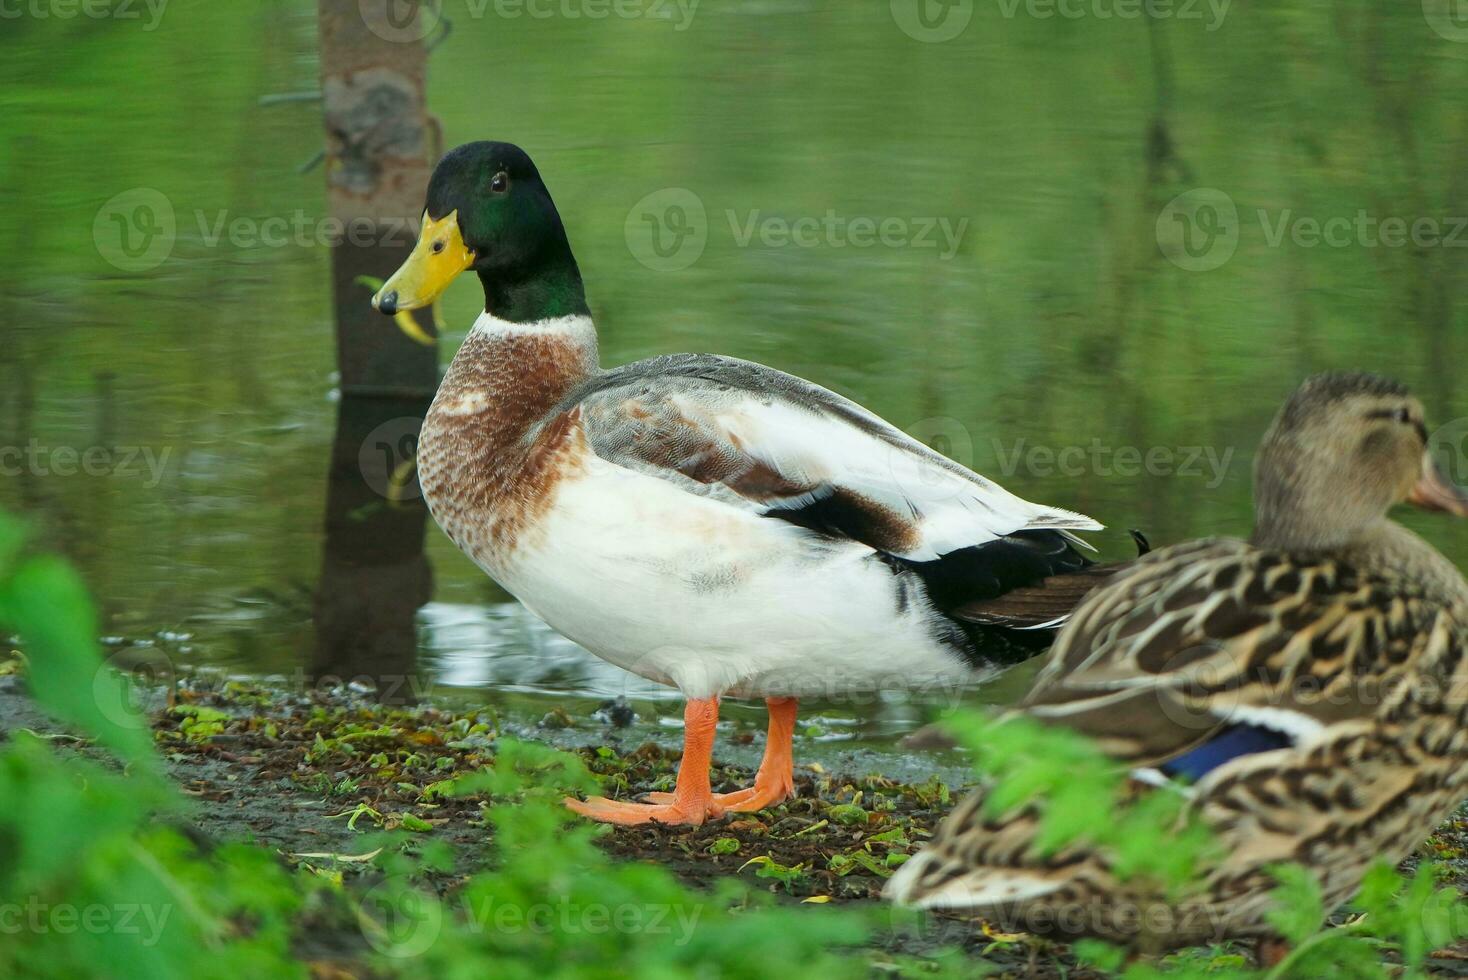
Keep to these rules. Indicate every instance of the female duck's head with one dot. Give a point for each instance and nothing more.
(488, 210)
(1345, 449)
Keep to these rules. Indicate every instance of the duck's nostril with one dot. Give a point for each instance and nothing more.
(388, 303)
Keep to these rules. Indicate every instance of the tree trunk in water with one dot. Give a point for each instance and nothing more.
(374, 574)
(373, 76)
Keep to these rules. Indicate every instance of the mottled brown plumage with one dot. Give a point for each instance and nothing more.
(493, 445)
(1306, 689)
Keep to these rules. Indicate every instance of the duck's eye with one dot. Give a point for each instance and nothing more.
(1402, 416)
(437, 247)
(500, 182)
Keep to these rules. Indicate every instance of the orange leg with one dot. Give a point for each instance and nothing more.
(691, 802)
(775, 781)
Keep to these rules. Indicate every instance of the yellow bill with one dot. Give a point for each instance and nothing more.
(436, 261)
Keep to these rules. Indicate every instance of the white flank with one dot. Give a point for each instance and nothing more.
(716, 599)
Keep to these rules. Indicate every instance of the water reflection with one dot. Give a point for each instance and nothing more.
(374, 574)
(504, 646)
(1062, 319)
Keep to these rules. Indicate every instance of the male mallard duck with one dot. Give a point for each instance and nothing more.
(702, 521)
(1305, 689)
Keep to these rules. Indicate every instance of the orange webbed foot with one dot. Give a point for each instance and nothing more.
(669, 811)
(747, 800)
(691, 802)
(775, 781)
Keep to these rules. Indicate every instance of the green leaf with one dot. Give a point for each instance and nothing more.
(1298, 908)
(45, 602)
(12, 539)
(1100, 955)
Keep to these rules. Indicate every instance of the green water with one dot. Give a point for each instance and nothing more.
(1037, 307)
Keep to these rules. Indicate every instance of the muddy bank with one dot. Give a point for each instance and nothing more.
(312, 776)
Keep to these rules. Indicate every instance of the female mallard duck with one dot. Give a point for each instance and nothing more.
(702, 521)
(1306, 690)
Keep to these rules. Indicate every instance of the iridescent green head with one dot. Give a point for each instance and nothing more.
(488, 210)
